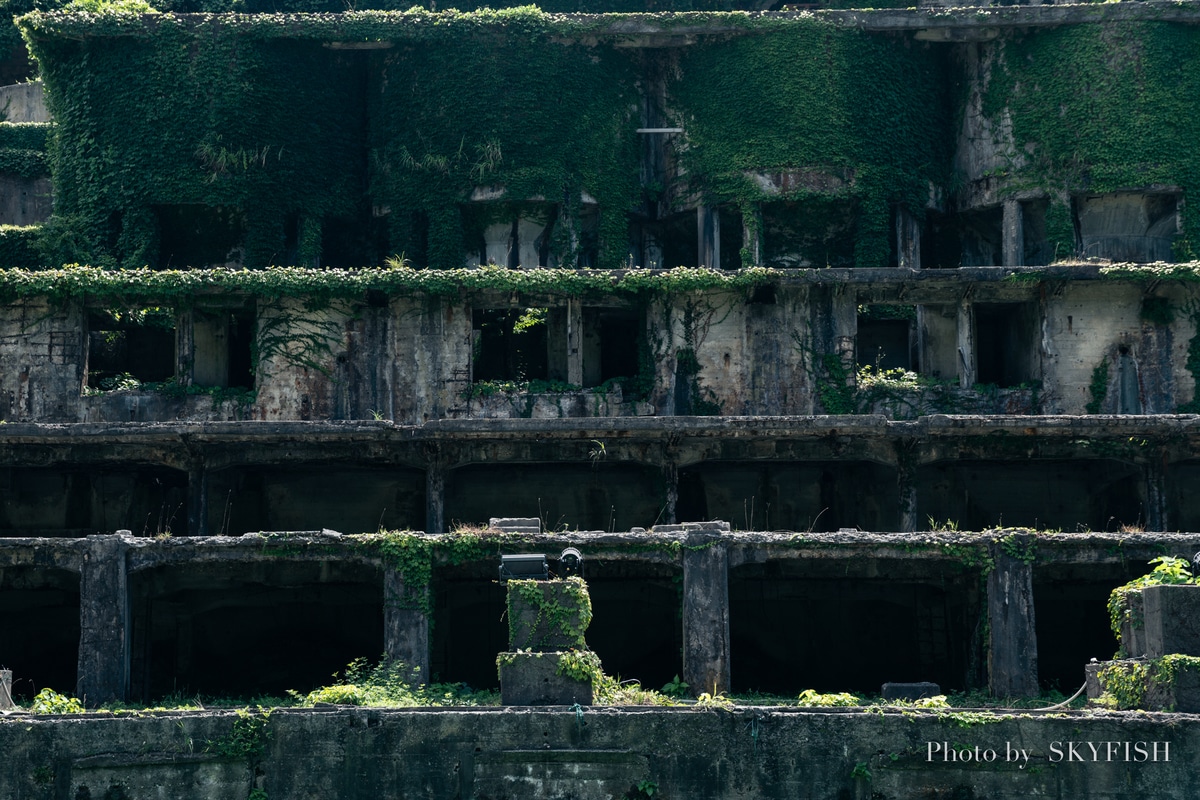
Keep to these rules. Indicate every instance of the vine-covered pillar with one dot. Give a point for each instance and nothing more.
(1012, 237)
(752, 242)
(966, 342)
(706, 613)
(908, 240)
(406, 624)
(103, 674)
(1012, 643)
(708, 231)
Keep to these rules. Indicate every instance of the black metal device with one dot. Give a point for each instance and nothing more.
(524, 567)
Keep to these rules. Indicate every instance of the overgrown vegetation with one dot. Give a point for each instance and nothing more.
(390, 683)
(1168, 570)
(1095, 108)
(856, 116)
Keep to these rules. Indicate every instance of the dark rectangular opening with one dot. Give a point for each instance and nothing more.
(981, 236)
(244, 630)
(199, 236)
(835, 625)
(39, 639)
(809, 234)
(1006, 344)
(130, 347)
(887, 337)
(224, 345)
(510, 344)
(612, 339)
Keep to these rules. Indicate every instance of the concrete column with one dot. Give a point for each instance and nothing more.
(706, 614)
(752, 234)
(406, 624)
(6, 701)
(844, 314)
(435, 498)
(103, 621)
(908, 240)
(574, 342)
(1012, 237)
(1156, 492)
(185, 346)
(906, 485)
(671, 479)
(708, 228)
(1012, 644)
(197, 503)
(966, 344)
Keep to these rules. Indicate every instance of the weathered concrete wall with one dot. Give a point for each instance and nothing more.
(24, 102)
(411, 360)
(43, 361)
(535, 753)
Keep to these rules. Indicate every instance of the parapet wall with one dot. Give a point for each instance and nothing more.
(543, 753)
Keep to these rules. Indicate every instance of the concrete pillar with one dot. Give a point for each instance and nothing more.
(197, 502)
(844, 314)
(966, 344)
(1012, 644)
(185, 346)
(671, 480)
(574, 342)
(708, 228)
(906, 485)
(706, 614)
(6, 701)
(908, 240)
(752, 233)
(1156, 492)
(103, 621)
(1012, 237)
(406, 624)
(435, 498)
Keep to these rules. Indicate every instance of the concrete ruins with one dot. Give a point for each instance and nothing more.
(936, 376)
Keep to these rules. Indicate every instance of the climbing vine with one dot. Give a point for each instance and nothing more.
(855, 116)
(1098, 108)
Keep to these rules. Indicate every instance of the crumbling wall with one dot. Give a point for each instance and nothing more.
(43, 360)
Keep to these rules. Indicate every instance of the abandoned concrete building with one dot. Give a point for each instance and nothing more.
(847, 345)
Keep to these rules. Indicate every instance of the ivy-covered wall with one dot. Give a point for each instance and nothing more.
(864, 109)
(1100, 108)
(517, 109)
(193, 115)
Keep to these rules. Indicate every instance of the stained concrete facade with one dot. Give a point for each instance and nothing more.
(846, 560)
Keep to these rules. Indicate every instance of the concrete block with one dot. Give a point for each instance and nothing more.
(1172, 619)
(910, 691)
(549, 615)
(516, 524)
(532, 679)
(1133, 627)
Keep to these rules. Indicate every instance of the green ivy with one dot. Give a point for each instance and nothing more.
(1100, 108)
(323, 285)
(859, 113)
